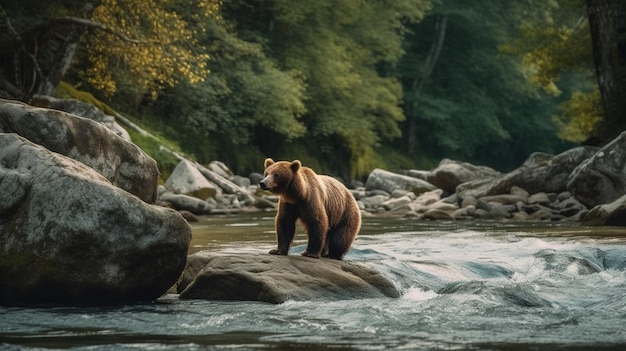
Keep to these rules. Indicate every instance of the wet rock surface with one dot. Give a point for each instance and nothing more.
(276, 279)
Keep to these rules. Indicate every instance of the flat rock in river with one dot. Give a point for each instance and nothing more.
(276, 279)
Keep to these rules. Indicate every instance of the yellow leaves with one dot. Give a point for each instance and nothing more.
(555, 42)
(579, 116)
(553, 39)
(548, 51)
(168, 50)
(210, 7)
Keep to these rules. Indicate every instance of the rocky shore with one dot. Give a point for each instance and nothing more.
(584, 184)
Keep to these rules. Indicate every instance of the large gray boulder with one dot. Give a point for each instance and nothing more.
(187, 179)
(82, 109)
(601, 178)
(68, 236)
(87, 141)
(449, 174)
(540, 173)
(387, 181)
(276, 279)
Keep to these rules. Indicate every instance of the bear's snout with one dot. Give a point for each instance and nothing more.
(263, 185)
(267, 183)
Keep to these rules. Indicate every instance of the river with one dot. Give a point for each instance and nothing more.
(465, 285)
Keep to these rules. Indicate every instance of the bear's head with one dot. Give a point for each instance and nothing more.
(278, 175)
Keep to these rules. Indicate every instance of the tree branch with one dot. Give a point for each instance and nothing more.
(419, 81)
(102, 27)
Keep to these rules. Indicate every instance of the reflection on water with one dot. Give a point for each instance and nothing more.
(466, 285)
(247, 232)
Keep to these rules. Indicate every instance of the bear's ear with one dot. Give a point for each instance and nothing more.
(268, 162)
(295, 165)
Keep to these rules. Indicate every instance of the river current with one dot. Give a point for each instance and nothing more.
(465, 286)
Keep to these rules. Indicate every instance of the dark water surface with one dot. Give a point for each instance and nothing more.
(465, 285)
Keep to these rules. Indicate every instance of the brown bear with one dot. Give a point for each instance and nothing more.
(325, 207)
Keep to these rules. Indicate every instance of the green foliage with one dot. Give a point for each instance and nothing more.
(336, 84)
(318, 94)
(159, 50)
(246, 91)
(165, 160)
(391, 159)
(579, 116)
(143, 44)
(554, 42)
(476, 104)
(337, 47)
(66, 90)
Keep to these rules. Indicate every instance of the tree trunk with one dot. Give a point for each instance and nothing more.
(418, 84)
(607, 21)
(66, 56)
(63, 62)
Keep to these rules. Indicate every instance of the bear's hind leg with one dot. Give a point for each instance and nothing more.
(339, 241)
(337, 247)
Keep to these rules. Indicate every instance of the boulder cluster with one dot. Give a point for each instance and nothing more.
(586, 184)
(456, 190)
(78, 223)
(195, 189)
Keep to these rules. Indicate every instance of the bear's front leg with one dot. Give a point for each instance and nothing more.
(312, 255)
(285, 228)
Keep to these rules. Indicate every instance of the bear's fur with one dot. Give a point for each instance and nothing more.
(325, 207)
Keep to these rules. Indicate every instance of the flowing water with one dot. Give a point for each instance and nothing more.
(465, 285)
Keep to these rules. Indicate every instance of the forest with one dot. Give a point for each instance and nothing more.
(345, 86)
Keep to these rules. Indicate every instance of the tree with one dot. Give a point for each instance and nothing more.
(463, 99)
(419, 80)
(143, 43)
(165, 51)
(338, 48)
(555, 46)
(245, 101)
(607, 20)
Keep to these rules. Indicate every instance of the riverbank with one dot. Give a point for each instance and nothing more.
(584, 184)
